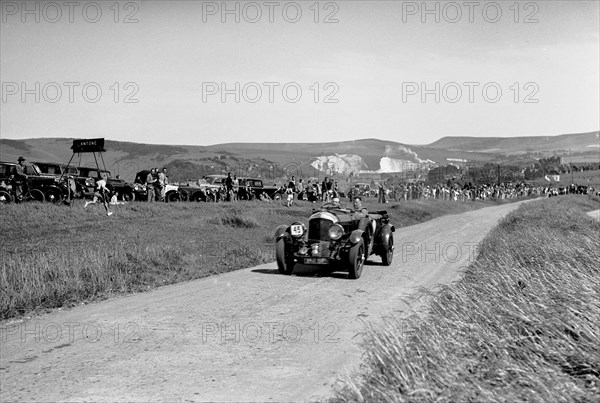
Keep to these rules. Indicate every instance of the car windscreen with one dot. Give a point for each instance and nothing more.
(49, 169)
(5, 170)
(32, 169)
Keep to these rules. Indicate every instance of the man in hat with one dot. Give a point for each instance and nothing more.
(19, 181)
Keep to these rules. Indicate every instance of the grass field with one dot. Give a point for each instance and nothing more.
(54, 256)
(585, 178)
(523, 324)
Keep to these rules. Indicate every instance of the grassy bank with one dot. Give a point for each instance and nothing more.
(523, 324)
(53, 256)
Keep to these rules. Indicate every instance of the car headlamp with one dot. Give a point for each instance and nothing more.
(335, 232)
(297, 229)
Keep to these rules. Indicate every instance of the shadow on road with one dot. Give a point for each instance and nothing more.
(316, 271)
(308, 271)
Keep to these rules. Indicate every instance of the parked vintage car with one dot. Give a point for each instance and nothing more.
(41, 187)
(86, 182)
(173, 193)
(335, 236)
(207, 189)
(63, 173)
(252, 188)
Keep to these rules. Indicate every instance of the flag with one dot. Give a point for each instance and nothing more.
(556, 178)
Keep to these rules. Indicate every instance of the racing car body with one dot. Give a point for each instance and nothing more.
(339, 237)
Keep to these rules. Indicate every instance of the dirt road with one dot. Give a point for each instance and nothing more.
(248, 335)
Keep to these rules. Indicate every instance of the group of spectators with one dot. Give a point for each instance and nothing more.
(312, 190)
(156, 185)
(466, 192)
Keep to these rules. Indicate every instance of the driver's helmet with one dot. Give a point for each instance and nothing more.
(336, 201)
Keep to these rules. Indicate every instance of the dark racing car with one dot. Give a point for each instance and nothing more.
(336, 237)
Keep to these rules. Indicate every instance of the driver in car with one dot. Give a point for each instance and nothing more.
(359, 210)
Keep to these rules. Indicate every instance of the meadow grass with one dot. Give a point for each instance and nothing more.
(522, 324)
(54, 255)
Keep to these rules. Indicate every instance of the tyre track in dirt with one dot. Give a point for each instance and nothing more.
(249, 335)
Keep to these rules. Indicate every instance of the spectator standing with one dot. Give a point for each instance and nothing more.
(382, 198)
(236, 187)
(19, 181)
(162, 184)
(324, 189)
(229, 187)
(157, 189)
(290, 196)
(150, 182)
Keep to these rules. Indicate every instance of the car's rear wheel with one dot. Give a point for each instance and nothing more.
(388, 253)
(37, 195)
(198, 197)
(356, 259)
(173, 197)
(285, 263)
(128, 196)
(5, 197)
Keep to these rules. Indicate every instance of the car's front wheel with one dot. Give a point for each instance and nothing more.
(388, 253)
(285, 263)
(356, 259)
(53, 195)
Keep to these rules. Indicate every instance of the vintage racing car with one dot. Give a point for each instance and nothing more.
(335, 236)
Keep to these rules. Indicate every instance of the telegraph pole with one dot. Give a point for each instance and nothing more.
(571, 167)
(498, 174)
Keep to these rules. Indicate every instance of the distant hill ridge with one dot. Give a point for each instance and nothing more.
(126, 158)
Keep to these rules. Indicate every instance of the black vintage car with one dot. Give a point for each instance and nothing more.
(86, 183)
(338, 237)
(251, 188)
(41, 187)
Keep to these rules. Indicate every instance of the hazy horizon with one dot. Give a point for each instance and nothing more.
(153, 71)
(306, 142)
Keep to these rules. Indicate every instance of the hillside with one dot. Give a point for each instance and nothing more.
(273, 160)
(575, 143)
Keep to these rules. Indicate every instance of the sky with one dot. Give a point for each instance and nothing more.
(202, 73)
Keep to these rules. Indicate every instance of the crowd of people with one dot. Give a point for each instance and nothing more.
(455, 192)
(313, 190)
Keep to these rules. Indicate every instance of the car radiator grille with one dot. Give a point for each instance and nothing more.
(317, 229)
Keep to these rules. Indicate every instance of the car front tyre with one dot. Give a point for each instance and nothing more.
(53, 195)
(282, 253)
(388, 254)
(356, 259)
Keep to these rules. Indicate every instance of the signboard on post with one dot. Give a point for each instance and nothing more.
(88, 146)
